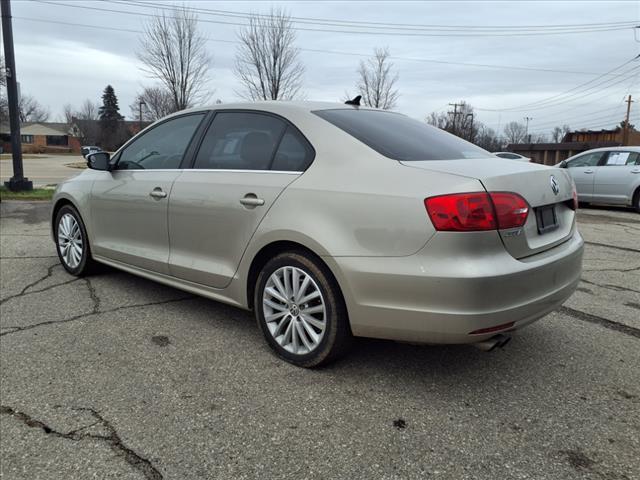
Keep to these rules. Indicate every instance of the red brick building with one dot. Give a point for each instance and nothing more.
(50, 137)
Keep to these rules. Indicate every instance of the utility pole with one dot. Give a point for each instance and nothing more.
(18, 181)
(625, 132)
(527, 129)
(455, 114)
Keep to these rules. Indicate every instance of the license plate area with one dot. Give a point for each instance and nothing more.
(546, 218)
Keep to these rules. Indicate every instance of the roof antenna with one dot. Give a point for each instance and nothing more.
(355, 101)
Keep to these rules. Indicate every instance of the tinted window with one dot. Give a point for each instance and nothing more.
(622, 158)
(240, 141)
(587, 160)
(509, 155)
(294, 153)
(161, 147)
(399, 137)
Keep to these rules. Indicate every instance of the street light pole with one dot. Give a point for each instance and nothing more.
(18, 181)
(142, 102)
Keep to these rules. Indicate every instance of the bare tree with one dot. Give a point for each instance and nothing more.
(377, 81)
(267, 64)
(30, 110)
(88, 111)
(157, 103)
(174, 52)
(488, 139)
(515, 132)
(558, 133)
(68, 113)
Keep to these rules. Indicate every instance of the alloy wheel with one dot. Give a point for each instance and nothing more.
(70, 241)
(294, 310)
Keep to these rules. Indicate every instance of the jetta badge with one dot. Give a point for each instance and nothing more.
(555, 186)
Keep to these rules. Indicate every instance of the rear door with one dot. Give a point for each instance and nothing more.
(583, 169)
(615, 179)
(129, 203)
(245, 161)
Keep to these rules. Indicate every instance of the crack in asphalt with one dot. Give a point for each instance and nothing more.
(93, 294)
(610, 286)
(15, 329)
(113, 439)
(619, 270)
(598, 320)
(615, 247)
(36, 282)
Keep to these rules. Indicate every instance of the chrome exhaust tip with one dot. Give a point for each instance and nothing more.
(497, 341)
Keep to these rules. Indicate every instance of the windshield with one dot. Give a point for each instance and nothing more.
(399, 137)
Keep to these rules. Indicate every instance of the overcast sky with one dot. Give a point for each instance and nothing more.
(59, 64)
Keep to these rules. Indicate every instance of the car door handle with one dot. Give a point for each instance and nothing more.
(251, 200)
(588, 171)
(158, 193)
(636, 170)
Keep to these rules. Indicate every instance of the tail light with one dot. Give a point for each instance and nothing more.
(574, 193)
(477, 211)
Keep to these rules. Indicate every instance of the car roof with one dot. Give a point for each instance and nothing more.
(276, 106)
(632, 148)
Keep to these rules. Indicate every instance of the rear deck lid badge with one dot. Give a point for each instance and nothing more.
(555, 186)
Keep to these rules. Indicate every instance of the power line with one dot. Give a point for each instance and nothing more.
(383, 25)
(409, 34)
(335, 52)
(537, 103)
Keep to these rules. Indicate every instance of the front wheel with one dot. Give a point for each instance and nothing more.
(299, 308)
(72, 242)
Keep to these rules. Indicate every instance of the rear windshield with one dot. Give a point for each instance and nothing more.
(399, 137)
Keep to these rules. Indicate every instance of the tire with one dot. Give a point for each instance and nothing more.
(636, 201)
(310, 334)
(69, 230)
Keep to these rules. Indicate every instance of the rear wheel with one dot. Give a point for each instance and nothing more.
(300, 310)
(636, 201)
(72, 242)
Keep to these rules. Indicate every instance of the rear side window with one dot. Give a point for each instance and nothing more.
(240, 141)
(623, 158)
(294, 153)
(399, 137)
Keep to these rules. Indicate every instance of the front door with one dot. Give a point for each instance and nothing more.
(582, 169)
(615, 179)
(246, 160)
(129, 204)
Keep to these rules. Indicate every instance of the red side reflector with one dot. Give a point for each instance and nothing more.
(497, 328)
(477, 211)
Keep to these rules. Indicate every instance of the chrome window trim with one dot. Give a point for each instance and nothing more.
(286, 172)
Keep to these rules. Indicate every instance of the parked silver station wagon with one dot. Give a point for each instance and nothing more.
(329, 221)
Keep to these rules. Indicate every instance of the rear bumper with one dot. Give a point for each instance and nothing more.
(442, 294)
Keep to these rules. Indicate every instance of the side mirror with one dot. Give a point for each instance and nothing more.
(98, 161)
(563, 164)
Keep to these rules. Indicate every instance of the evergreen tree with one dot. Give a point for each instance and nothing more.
(110, 120)
(109, 109)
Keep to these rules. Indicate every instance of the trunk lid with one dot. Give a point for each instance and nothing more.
(547, 190)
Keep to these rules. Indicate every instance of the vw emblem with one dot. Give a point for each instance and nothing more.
(555, 186)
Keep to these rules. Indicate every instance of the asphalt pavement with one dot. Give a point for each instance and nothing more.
(113, 376)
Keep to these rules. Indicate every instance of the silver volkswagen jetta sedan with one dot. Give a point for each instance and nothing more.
(329, 221)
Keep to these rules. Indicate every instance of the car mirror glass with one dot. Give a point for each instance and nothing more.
(98, 161)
